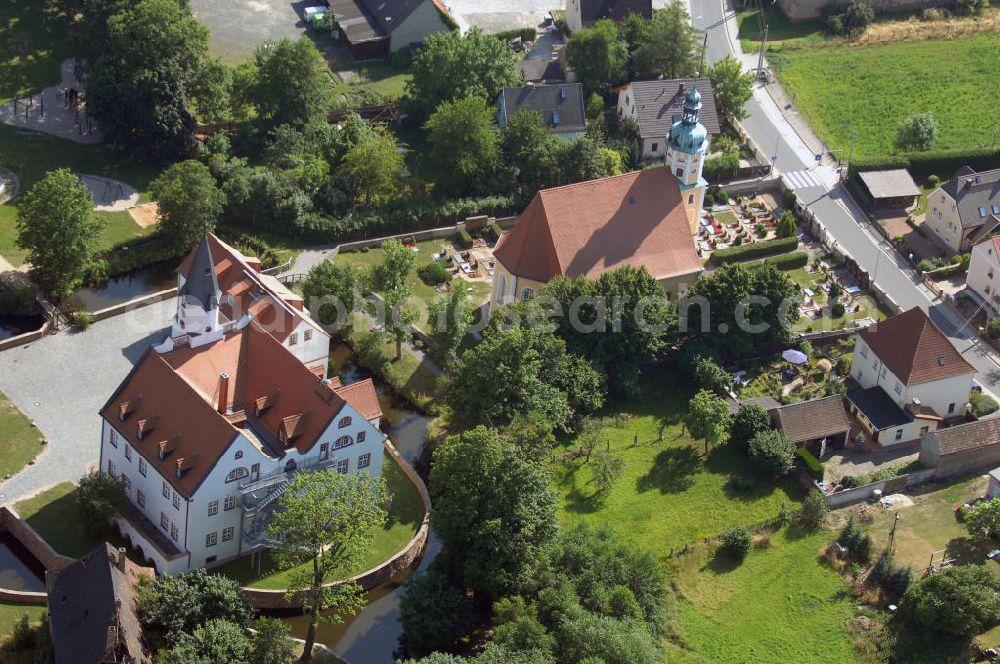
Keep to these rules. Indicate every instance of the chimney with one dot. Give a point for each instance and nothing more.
(914, 406)
(121, 559)
(223, 392)
(680, 90)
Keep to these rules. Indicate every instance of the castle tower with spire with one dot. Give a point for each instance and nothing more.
(687, 145)
(198, 299)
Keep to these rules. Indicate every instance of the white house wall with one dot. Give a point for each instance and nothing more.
(984, 275)
(192, 518)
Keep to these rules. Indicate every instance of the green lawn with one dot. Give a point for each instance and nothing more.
(53, 515)
(378, 78)
(670, 494)
(19, 441)
(780, 30)
(366, 260)
(33, 42)
(405, 515)
(408, 375)
(871, 89)
(782, 604)
(10, 613)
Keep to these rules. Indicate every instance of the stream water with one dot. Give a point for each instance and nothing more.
(123, 288)
(18, 569)
(372, 636)
(11, 326)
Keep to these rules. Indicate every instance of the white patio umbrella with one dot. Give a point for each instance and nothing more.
(794, 356)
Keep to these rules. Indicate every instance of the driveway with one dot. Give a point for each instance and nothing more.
(61, 381)
(238, 27)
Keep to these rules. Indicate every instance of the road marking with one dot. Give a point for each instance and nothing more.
(801, 180)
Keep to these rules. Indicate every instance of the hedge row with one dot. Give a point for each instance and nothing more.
(745, 252)
(526, 34)
(812, 464)
(788, 261)
(132, 255)
(932, 162)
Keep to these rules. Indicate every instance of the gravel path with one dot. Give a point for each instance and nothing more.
(61, 381)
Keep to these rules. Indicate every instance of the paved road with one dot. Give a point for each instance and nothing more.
(818, 188)
(61, 381)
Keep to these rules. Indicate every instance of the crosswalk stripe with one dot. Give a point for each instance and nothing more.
(801, 179)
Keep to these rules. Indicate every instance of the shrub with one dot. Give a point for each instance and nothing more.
(835, 24)
(22, 634)
(493, 232)
(849, 481)
(899, 579)
(858, 16)
(971, 7)
(881, 568)
(917, 132)
(772, 453)
(925, 265)
(464, 239)
(721, 196)
(433, 273)
(751, 251)
(789, 198)
(16, 301)
(863, 550)
(851, 535)
(838, 309)
(789, 261)
(721, 167)
(994, 328)
(812, 464)
(814, 510)
(526, 34)
(843, 365)
(99, 498)
(736, 542)
(786, 225)
(983, 404)
(933, 180)
(709, 201)
(750, 421)
(82, 319)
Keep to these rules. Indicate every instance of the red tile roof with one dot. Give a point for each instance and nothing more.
(246, 291)
(912, 347)
(590, 227)
(274, 398)
(968, 437)
(362, 397)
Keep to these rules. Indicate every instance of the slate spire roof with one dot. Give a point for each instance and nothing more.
(200, 283)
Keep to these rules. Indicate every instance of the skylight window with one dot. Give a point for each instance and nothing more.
(982, 212)
(996, 209)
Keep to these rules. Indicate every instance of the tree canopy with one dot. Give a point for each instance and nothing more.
(57, 226)
(139, 87)
(464, 145)
(189, 203)
(371, 168)
(670, 46)
(771, 453)
(960, 601)
(598, 56)
(289, 85)
(492, 508)
(451, 66)
(332, 291)
(708, 418)
(738, 308)
(732, 88)
(329, 520)
(529, 370)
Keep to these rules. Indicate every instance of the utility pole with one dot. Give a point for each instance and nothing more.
(892, 535)
(760, 58)
(704, 47)
(850, 155)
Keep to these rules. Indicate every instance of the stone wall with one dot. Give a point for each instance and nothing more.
(891, 485)
(138, 302)
(37, 547)
(388, 570)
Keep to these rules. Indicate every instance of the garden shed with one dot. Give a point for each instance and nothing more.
(809, 423)
(962, 449)
(890, 190)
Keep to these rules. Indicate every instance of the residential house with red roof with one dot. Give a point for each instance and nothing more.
(208, 427)
(912, 378)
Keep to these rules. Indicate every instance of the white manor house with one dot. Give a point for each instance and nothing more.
(208, 427)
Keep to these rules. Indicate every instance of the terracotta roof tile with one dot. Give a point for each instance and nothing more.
(362, 397)
(814, 419)
(914, 349)
(966, 437)
(587, 228)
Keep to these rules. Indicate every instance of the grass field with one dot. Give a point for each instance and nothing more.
(18, 439)
(780, 30)
(405, 515)
(53, 515)
(10, 613)
(33, 41)
(782, 604)
(670, 494)
(871, 89)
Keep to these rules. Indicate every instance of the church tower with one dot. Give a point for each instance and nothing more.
(198, 298)
(687, 145)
